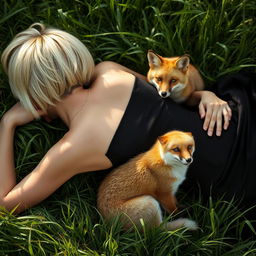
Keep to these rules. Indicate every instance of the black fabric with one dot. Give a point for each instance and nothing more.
(240, 174)
(222, 165)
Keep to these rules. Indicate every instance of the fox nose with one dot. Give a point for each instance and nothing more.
(163, 94)
(189, 160)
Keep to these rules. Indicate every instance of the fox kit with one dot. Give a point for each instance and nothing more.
(137, 187)
(173, 77)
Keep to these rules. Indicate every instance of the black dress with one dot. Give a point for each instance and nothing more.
(222, 165)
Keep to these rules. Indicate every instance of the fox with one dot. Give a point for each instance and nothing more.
(136, 189)
(173, 77)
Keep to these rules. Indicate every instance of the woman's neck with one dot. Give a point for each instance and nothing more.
(69, 107)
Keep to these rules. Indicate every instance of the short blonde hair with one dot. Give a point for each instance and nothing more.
(44, 63)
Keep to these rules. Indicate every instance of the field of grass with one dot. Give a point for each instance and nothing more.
(219, 35)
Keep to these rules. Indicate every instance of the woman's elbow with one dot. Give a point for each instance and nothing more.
(14, 209)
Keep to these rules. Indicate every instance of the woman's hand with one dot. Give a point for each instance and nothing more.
(215, 111)
(17, 115)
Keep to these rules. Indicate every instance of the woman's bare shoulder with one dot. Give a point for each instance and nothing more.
(110, 67)
(106, 66)
(110, 70)
(110, 78)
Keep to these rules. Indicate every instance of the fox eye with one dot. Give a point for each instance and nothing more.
(173, 81)
(189, 147)
(176, 149)
(159, 79)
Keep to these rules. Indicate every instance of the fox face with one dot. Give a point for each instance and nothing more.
(177, 148)
(168, 75)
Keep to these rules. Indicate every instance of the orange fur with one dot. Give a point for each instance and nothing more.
(173, 77)
(137, 187)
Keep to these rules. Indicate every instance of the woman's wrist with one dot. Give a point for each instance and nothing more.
(7, 123)
(195, 98)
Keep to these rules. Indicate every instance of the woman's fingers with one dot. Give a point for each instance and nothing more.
(213, 121)
(219, 122)
(208, 116)
(229, 112)
(216, 113)
(226, 117)
(201, 110)
(217, 117)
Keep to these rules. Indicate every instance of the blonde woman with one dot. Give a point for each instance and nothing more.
(112, 114)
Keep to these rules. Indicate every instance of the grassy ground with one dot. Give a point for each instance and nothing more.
(220, 36)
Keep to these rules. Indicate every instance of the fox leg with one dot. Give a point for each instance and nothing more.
(147, 208)
(168, 201)
(142, 207)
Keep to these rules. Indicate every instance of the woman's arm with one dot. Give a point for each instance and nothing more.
(7, 174)
(7, 129)
(59, 164)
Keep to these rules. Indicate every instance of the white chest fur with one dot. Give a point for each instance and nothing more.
(179, 173)
(177, 91)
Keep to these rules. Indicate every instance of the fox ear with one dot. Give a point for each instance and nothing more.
(163, 139)
(154, 60)
(182, 63)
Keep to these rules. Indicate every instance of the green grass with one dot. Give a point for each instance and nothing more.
(219, 35)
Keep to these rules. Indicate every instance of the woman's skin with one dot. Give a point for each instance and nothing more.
(92, 117)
